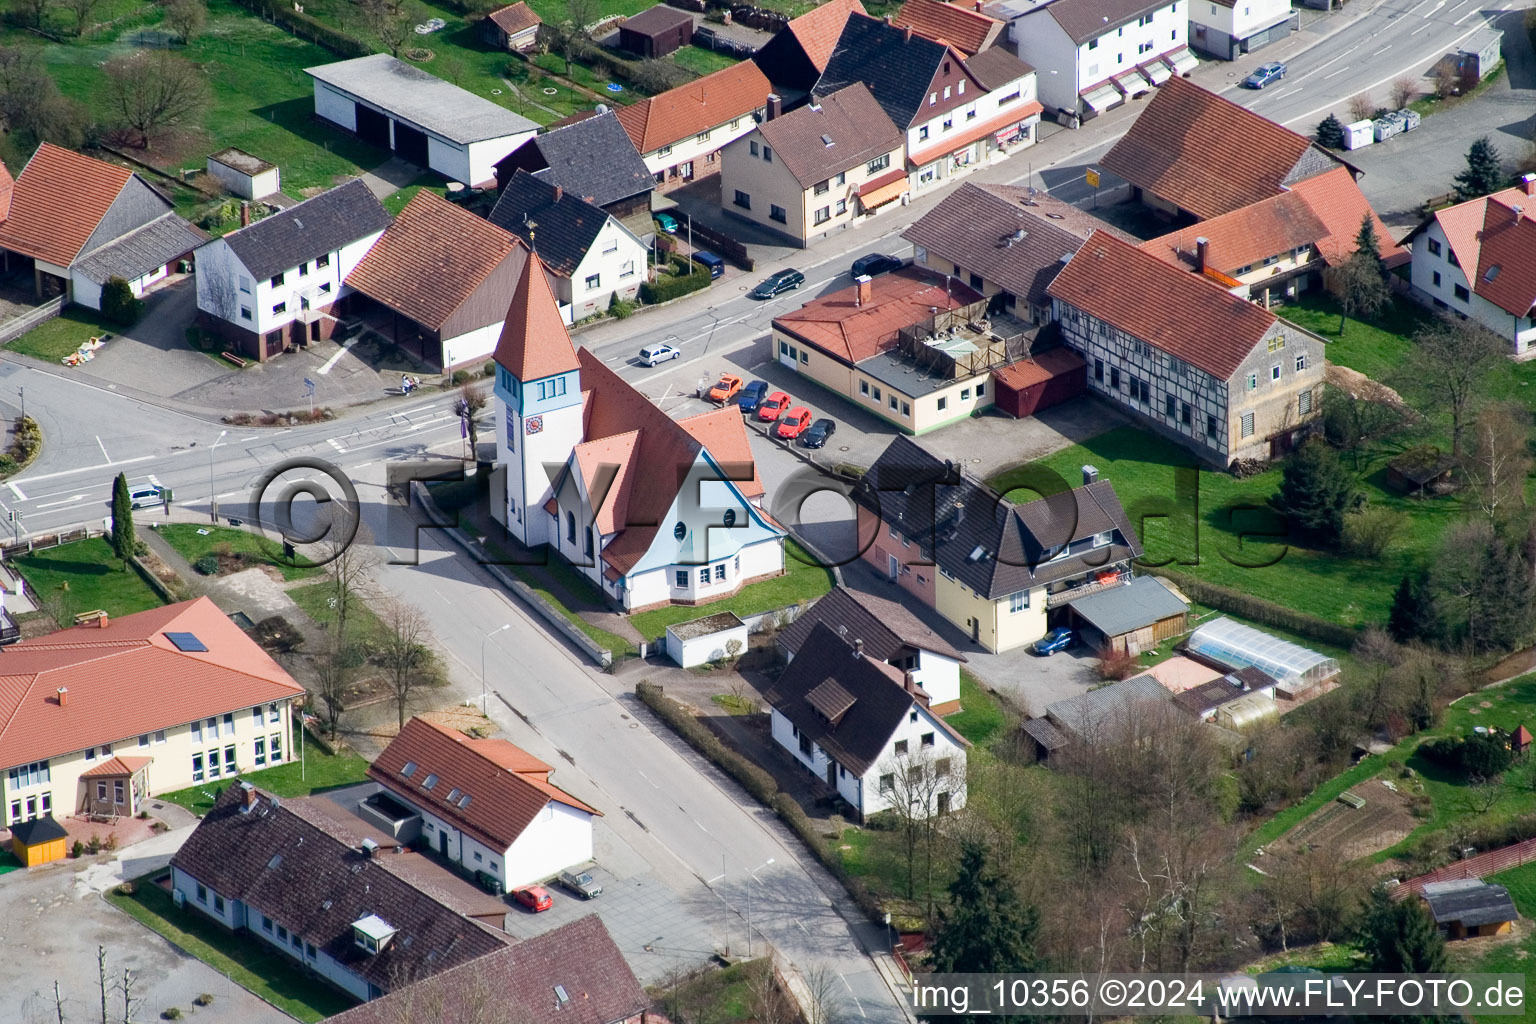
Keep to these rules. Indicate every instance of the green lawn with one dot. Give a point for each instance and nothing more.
(533, 578)
(57, 338)
(981, 715)
(804, 581)
(8, 862)
(397, 202)
(315, 600)
(1507, 957)
(319, 772)
(250, 963)
(702, 61)
(193, 542)
(83, 576)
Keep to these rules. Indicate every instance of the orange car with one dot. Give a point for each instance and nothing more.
(725, 389)
(773, 407)
(794, 423)
(534, 897)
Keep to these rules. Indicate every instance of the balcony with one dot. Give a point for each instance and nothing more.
(1093, 583)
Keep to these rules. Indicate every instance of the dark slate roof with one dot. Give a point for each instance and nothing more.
(295, 871)
(886, 627)
(1197, 700)
(1138, 604)
(897, 69)
(1044, 733)
(991, 545)
(656, 20)
(594, 159)
(1471, 902)
(996, 66)
(1111, 705)
(38, 830)
(314, 227)
(826, 668)
(580, 957)
(142, 250)
(560, 229)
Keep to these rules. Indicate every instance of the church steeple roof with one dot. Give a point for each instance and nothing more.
(534, 342)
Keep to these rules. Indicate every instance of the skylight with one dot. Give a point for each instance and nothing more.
(976, 554)
(560, 995)
(429, 782)
(453, 794)
(1493, 272)
(464, 801)
(409, 769)
(187, 642)
(276, 861)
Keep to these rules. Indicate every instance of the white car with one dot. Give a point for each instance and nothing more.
(146, 496)
(653, 354)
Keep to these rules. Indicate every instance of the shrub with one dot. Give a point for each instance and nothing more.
(206, 999)
(751, 777)
(93, 846)
(489, 369)
(77, 849)
(461, 377)
(619, 308)
(119, 305)
(1480, 755)
(124, 889)
(688, 277)
(171, 1014)
(1117, 664)
(208, 565)
(109, 843)
(1369, 532)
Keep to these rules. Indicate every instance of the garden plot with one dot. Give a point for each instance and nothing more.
(1385, 818)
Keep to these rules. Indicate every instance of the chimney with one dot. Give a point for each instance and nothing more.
(245, 214)
(1528, 184)
(978, 5)
(1202, 246)
(858, 648)
(370, 849)
(959, 513)
(773, 108)
(247, 796)
(908, 683)
(865, 289)
(559, 192)
(890, 19)
(1090, 475)
(906, 33)
(63, 696)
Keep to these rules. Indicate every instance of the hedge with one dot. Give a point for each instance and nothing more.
(667, 286)
(305, 27)
(1258, 609)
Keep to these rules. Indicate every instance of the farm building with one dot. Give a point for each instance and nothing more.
(244, 175)
(419, 117)
(656, 32)
(1034, 385)
(1469, 907)
(1135, 617)
(1231, 644)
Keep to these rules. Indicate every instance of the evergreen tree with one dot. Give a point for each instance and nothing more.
(1483, 174)
(1330, 133)
(123, 538)
(1315, 492)
(1366, 244)
(986, 929)
(1414, 616)
(1501, 605)
(1400, 938)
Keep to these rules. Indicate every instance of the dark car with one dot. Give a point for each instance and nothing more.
(1058, 639)
(1264, 74)
(714, 264)
(875, 264)
(751, 396)
(782, 281)
(816, 435)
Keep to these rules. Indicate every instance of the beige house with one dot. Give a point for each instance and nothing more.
(679, 133)
(817, 169)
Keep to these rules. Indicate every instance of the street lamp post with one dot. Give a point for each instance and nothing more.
(213, 500)
(484, 710)
(751, 876)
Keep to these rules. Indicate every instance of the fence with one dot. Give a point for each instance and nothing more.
(1482, 865)
(13, 329)
(722, 245)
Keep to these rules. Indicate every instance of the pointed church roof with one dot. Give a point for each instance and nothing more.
(534, 343)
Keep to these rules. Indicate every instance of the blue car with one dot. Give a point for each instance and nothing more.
(667, 223)
(1264, 74)
(1058, 639)
(751, 396)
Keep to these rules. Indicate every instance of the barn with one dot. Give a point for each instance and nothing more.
(1135, 618)
(419, 117)
(656, 32)
(1033, 385)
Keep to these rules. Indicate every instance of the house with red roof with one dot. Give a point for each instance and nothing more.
(679, 132)
(78, 737)
(1478, 259)
(652, 510)
(484, 804)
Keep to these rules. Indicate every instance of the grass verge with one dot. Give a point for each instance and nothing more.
(54, 339)
(84, 575)
(193, 542)
(318, 772)
(980, 716)
(315, 600)
(803, 581)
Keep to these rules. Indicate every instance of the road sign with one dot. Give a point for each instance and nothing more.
(309, 386)
(1093, 177)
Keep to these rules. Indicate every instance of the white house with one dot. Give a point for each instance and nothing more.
(888, 631)
(591, 256)
(272, 285)
(419, 117)
(1091, 55)
(652, 510)
(485, 804)
(1227, 29)
(1495, 239)
(865, 728)
(680, 132)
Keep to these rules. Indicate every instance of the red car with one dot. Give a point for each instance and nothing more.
(773, 406)
(534, 897)
(794, 423)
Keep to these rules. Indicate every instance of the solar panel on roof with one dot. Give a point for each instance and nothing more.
(186, 641)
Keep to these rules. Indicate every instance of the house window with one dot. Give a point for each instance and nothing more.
(1253, 382)
(1210, 426)
(245, 312)
(627, 269)
(1184, 413)
(117, 791)
(1461, 293)
(245, 284)
(842, 178)
(1436, 276)
(90, 753)
(1098, 370)
(960, 91)
(949, 122)
(1247, 430)
(256, 714)
(933, 98)
(570, 527)
(941, 767)
(821, 187)
(776, 212)
(805, 356)
(682, 579)
(842, 207)
(272, 712)
(261, 750)
(202, 893)
(612, 245)
(1434, 248)
(912, 715)
(144, 740)
(943, 403)
(927, 739)
(893, 403)
(768, 154)
(275, 746)
(279, 307)
(277, 280)
(887, 783)
(805, 745)
(303, 269)
(1274, 372)
(879, 163)
(906, 410)
(323, 261)
(101, 791)
(309, 950)
(229, 760)
(1093, 44)
(1169, 404)
(863, 387)
(901, 747)
(1143, 47)
(266, 924)
(594, 281)
(229, 723)
(1304, 403)
(1450, 257)
(965, 394)
(752, 147)
(1277, 342)
(922, 133)
(1114, 378)
(876, 395)
(720, 573)
(1301, 362)
(735, 123)
(159, 737)
(1018, 602)
(325, 286)
(704, 576)
(664, 150)
(702, 136)
(197, 767)
(823, 215)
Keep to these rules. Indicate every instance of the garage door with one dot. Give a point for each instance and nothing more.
(411, 144)
(372, 126)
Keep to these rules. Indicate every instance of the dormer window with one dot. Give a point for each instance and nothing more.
(371, 933)
(1104, 539)
(409, 769)
(453, 794)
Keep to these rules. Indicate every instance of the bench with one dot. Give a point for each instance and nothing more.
(241, 363)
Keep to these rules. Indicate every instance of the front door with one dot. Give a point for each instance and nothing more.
(442, 842)
(975, 629)
(832, 774)
(893, 567)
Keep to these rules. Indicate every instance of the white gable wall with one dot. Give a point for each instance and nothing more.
(558, 838)
(617, 259)
(938, 675)
(1428, 266)
(479, 343)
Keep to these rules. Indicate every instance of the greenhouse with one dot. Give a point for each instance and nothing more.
(1238, 646)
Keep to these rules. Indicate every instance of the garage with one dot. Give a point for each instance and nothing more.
(1033, 385)
(411, 144)
(372, 126)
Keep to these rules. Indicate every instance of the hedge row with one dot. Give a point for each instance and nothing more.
(305, 27)
(1266, 613)
(667, 287)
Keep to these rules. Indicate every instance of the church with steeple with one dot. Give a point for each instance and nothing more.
(652, 510)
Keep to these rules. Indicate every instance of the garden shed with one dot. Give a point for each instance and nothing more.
(700, 641)
(244, 175)
(656, 32)
(1231, 644)
(1033, 385)
(1135, 617)
(39, 841)
(1469, 907)
(1422, 471)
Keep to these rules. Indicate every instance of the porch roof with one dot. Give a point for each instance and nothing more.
(117, 767)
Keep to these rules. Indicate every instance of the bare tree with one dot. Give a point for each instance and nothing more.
(152, 90)
(1361, 107)
(185, 18)
(1450, 363)
(101, 974)
(82, 10)
(1500, 461)
(1404, 90)
(350, 559)
(392, 22)
(334, 669)
(824, 995)
(405, 652)
(1358, 285)
(768, 1002)
(31, 12)
(917, 785)
(1447, 81)
(471, 403)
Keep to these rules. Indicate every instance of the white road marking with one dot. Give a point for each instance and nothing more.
(89, 469)
(16, 491)
(1383, 50)
(337, 357)
(1421, 28)
(154, 481)
(1341, 71)
(854, 995)
(334, 444)
(103, 448)
(67, 501)
(1464, 17)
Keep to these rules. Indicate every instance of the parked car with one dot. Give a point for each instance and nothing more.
(1264, 74)
(1058, 639)
(145, 496)
(581, 883)
(534, 897)
(667, 223)
(773, 407)
(752, 395)
(714, 263)
(653, 354)
(793, 423)
(725, 389)
(817, 433)
(875, 264)
(782, 281)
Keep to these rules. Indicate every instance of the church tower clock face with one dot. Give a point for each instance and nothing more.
(533, 424)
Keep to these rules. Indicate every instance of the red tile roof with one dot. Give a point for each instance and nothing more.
(1039, 368)
(7, 188)
(1245, 236)
(502, 801)
(106, 670)
(1338, 202)
(848, 332)
(1204, 153)
(431, 259)
(515, 18)
(682, 113)
(819, 29)
(116, 766)
(1180, 313)
(534, 342)
(1506, 265)
(57, 203)
(967, 30)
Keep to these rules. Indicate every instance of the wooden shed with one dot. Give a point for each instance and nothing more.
(1035, 384)
(1135, 617)
(1422, 471)
(656, 32)
(39, 841)
(1468, 908)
